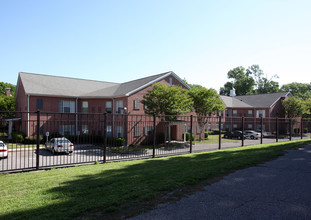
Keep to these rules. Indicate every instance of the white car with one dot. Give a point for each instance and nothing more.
(251, 134)
(59, 145)
(3, 150)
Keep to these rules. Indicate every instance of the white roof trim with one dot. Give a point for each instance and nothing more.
(287, 94)
(156, 80)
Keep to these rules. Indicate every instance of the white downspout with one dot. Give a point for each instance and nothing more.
(76, 115)
(28, 117)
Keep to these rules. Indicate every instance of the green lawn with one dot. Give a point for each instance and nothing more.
(215, 139)
(18, 146)
(110, 190)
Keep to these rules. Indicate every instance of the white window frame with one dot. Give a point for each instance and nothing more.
(66, 130)
(250, 113)
(108, 106)
(64, 104)
(136, 131)
(109, 131)
(119, 107)
(119, 131)
(234, 113)
(148, 130)
(136, 104)
(260, 113)
(85, 107)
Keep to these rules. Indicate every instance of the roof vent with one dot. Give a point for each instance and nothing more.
(232, 92)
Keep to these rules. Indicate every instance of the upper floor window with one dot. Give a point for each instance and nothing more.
(260, 113)
(85, 107)
(39, 104)
(171, 81)
(136, 104)
(119, 107)
(250, 113)
(108, 106)
(235, 113)
(66, 106)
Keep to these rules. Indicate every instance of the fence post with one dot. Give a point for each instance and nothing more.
(277, 129)
(290, 129)
(301, 129)
(219, 138)
(154, 135)
(38, 141)
(261, 129)
(191, 121)
(242, 131)
(105, 137)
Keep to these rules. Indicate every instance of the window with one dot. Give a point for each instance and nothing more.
(198, 129)
(250, 126)
(217, 126)
(261, 113)
(109, 131)
(250, 113)
(227, 113)
(67, 106)
(235, 113)
(171, 81)
(235, 126)
(136, 104)
(39, 104)
(119, 107)
(108, 106)
(119, 131)
(209, 126)
(85, 107)
(85, 129)
(148, 130)
(136, 131)
(66, 129)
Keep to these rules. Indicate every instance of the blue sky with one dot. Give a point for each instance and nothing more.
(118, 41)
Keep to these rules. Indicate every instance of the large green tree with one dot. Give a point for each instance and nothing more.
(263, 84)
(249, 81)
(167, 100)
(7, 104)
(241, 80)
(299, 90)
(4, 86)
(294, 107)
(205, 101)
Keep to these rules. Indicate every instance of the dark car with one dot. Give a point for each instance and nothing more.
(234, 134)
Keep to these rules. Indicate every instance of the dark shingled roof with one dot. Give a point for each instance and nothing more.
(254, 101)
(47, 85)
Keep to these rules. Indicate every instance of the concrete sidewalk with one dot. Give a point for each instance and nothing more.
(279, 189)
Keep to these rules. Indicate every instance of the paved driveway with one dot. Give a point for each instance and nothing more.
(279, 189)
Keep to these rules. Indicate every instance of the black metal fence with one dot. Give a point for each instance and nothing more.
(114, 137)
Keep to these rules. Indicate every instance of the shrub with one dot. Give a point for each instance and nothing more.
(206, 135)
(17, 137)
(116, 141)
(188, 137)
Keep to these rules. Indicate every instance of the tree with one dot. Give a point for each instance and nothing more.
(299, 90)
(167, 100)
(205, 101)
(243, 82)
(7, 104)
(294, 107)
(249, 81)
(263, 85)
(4, 86)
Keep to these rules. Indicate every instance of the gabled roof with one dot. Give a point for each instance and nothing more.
(263, 100)
(231, 102)
(47, 85)
(254, 101)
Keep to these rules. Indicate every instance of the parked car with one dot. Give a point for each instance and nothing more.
(265, 133)
(234, 134)
(59, 145)
(3, 150)
(252, 134)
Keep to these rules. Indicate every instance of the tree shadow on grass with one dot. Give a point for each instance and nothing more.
(113, 193)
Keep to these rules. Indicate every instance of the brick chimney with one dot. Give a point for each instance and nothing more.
(8, 92)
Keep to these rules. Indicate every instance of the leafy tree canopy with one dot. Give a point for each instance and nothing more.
(4, 86)
(167, 100)
(249, 81)
(294, 107)
(299, 90)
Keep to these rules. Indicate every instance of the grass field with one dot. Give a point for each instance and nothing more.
(113, 190)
